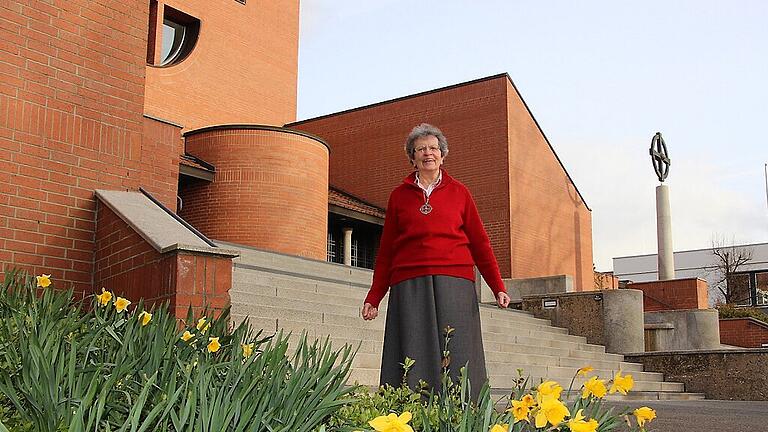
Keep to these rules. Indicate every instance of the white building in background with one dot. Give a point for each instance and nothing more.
(750, 283)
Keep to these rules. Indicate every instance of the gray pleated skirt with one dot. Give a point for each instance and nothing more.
(418, 312)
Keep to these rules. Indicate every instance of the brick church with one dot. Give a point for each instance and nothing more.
(192, 103)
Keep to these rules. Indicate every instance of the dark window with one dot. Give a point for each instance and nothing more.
(178, 36)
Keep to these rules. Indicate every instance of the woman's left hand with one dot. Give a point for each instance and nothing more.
(502, 299)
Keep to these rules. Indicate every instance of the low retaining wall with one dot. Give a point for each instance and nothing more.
(743, 332)
(673, 294)
(693, 329)
(738, 374)
(613, 318)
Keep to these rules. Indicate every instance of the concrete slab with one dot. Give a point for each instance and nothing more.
(703, 415)
(154, 224)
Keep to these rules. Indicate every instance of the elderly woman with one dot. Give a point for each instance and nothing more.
(433, 237)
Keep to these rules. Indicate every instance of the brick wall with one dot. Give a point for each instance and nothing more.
(743, 332)
(71, 102)
(245, 76)
(551, 226)
(673, 294)
(537, 223)
(368, 160)
(130, 267)
(270, 189)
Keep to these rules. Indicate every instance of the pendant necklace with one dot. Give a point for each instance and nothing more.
(426, 208)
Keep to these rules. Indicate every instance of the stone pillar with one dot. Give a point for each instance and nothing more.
(624, 321)
(347, 246)
(666, 255)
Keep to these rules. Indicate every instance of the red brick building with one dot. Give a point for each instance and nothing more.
(122, 95)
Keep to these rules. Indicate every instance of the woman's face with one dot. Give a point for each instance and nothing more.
(426, 154)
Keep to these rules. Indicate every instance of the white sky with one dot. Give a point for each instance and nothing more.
(601, 77)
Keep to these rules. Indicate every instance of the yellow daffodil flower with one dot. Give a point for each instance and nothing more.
(551, 410)
(145, 317)
(247, 349)
(529, 401)
(121, 304)
(213, 344)
(392, 423)
(202, 326)
(548, 390)
(585, 370)
(519, 410)
(577, 424)
(104, 298)
(622, 384)
(595, 387)
(644, 414)
(44, 281)
(187, 336)
(500, 428)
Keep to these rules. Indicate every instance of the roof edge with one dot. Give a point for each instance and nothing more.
(538, 126)
(401, 98)
(235, 126)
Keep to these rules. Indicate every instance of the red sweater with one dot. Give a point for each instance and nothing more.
(448, 241)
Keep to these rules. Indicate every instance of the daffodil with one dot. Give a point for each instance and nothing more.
(44, 281)
(622, 384)
(551, 411)
(644, 414)
(145, 317)
(577, 423)
(595, 387)
(202, 326)
(528, 400)
(500, 428)
(104, 297)
(213, 344)
(121, 304)
(187, 336)
(585, 370)
(392, 423)
(519, 410)
(247, 349)
(548, 390)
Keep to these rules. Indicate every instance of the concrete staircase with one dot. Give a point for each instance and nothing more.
(284, 292)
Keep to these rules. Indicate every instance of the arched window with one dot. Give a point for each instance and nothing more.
(177, 36)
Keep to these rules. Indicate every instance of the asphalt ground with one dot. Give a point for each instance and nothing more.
(704, 415)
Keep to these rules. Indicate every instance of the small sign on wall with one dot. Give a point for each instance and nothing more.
(549, 303)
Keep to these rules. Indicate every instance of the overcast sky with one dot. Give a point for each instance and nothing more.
(601, 77)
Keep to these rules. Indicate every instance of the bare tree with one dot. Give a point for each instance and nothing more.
(729, 259)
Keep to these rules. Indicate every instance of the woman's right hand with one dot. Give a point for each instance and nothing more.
(369, 312)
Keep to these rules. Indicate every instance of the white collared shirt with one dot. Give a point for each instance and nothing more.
(428, 190)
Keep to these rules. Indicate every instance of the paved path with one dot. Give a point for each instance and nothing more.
(705, 415)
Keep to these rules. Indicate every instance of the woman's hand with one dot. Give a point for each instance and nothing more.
(502, 299)
(369, 312)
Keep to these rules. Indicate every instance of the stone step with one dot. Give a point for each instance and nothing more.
(499, 392)
(560, 373)
(518, 358)
(508, 381)
(494, 345)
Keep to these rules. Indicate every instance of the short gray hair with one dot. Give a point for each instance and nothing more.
(421, 131)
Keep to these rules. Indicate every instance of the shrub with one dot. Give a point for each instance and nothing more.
(728, 310)
(528, 408)
(113, 366)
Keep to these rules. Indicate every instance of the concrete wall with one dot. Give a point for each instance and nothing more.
(722, 374)
(695, 329)
(612, 318)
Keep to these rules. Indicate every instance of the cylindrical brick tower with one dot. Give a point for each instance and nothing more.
(270, 190)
